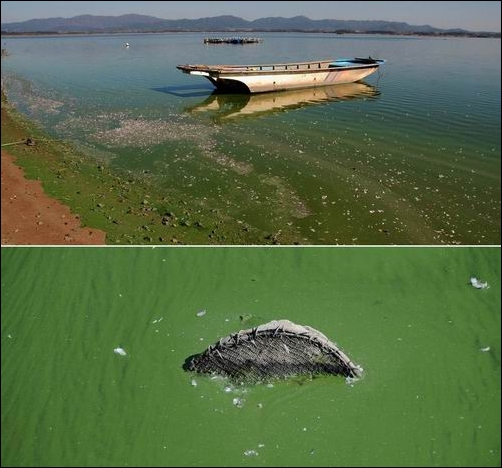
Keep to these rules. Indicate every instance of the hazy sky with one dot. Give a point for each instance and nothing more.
(473, 16)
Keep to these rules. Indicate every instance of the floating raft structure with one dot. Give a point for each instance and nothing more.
(274, 350)
(232, 40)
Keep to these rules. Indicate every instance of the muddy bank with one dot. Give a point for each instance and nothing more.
(30, 217)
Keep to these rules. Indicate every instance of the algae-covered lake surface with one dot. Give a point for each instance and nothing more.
(428, 341)
(409, 156)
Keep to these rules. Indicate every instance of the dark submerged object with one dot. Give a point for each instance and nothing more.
(276, 349)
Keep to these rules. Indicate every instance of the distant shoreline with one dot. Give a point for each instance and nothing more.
(486, 35)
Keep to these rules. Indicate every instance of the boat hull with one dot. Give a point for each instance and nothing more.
(268, 78)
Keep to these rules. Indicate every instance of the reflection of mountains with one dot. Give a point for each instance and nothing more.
(227, 106)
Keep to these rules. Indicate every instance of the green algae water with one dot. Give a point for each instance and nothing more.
(409, 156)
(94, 339)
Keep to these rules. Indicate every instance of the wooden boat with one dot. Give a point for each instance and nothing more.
(284, 76)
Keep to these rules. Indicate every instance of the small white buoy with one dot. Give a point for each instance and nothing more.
(120, 351)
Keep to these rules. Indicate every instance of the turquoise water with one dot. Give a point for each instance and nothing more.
(429, 344)
(412, 159)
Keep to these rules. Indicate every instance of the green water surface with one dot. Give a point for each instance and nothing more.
(410, 156)
(429, 344)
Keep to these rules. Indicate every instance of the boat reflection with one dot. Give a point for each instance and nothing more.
(230, 106)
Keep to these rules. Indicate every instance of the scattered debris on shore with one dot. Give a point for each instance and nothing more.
(26, 141)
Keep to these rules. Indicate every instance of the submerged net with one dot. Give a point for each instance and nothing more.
(275, 349)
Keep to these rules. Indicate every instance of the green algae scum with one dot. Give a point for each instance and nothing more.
(94, 340)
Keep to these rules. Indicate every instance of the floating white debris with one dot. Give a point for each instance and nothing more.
(158, 320)
(250, 453)
(238, 402)
(201, 313)
(485, 350)
(478, 284)
(193, 383)
(120, 351)
(351, 380)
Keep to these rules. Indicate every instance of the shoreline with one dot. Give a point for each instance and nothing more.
(128, 208)
(31, 217)
(339, 32)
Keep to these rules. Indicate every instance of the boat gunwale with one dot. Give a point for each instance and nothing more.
(282, 64)
(280, 68)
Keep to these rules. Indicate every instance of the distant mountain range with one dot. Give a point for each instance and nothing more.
(227, 24)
